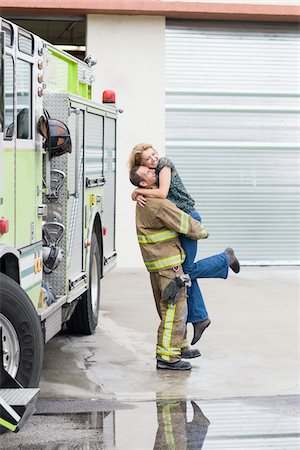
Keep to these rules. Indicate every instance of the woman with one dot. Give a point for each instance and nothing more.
(170, 186)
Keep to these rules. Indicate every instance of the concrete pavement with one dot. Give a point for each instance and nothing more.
(104, 392)
(250, 349)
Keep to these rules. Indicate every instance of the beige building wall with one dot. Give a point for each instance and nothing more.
(243, 2)
(130, 55)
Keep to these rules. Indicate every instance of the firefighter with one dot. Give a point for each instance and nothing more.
(174, 430)
(158, 225)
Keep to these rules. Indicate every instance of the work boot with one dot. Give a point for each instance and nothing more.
(178, 365)
(233, 262)
(190, 353)
(199, 327)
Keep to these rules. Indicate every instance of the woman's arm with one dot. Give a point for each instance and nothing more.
(162, 191)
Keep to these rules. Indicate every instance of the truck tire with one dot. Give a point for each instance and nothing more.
(22, 337)
(85, 316)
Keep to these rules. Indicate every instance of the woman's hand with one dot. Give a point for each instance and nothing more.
(141, 200)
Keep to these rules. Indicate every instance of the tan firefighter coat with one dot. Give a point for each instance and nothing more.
(158, 225)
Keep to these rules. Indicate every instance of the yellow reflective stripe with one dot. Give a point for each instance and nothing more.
(156, 237)
(203, 233)
(167, 352)
(167, 400)
(172, 349)
(168, 428)
(184, 223)
(185, 343)
(166, 262)
(7, 425)
(168, 327)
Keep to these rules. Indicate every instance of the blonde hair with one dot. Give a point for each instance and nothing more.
(135, 157)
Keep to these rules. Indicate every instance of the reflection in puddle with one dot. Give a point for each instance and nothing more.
(165, 424)
(179, 425)
(174, 429)
(255, 423)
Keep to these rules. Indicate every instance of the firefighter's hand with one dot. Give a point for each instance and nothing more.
(141, 200)
(203, 233)
(137, 197)
(134, 195)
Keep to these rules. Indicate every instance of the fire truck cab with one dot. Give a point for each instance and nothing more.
(57, 205)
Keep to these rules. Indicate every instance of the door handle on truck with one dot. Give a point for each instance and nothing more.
(94, 182)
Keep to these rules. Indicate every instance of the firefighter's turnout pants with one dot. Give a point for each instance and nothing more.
(175, 431)
(171, 336)
(171, 432)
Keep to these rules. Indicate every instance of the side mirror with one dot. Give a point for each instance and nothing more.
(10, 130)
(23, 124)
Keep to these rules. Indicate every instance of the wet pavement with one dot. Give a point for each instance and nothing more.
(241, 423)
(251, 347)
(104, 392)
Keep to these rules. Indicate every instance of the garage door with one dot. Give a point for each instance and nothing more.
(232, 130)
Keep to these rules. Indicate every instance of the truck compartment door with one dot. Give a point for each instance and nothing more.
(76, 237)
(109, 199)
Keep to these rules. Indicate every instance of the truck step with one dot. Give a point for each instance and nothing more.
(16, 406)
(18, 397)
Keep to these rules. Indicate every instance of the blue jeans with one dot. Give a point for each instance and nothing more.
(213, 267)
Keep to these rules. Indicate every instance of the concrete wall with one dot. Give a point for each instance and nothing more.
(130, 55)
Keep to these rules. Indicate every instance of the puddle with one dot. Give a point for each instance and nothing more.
(254, 423)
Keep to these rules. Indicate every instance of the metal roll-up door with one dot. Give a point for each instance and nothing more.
(232, 130)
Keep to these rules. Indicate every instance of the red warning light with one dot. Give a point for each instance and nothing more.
(109, 97)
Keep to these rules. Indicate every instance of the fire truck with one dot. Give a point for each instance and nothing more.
(57, 207)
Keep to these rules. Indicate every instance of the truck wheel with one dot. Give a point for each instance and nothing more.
(85, 316)
(22, 337)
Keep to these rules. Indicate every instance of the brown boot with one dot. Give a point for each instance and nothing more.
(199, 327)
(233, 262)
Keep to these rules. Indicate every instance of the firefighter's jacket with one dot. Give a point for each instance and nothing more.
(158, 225)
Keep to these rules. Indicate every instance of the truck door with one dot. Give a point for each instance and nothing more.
(26, 165)
(109, 198)
(76, 236)
(7, 148)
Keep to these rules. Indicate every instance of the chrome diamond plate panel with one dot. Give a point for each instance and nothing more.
(58, 107)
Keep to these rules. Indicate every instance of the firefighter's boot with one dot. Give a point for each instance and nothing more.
(189, 353)
(178, 365)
